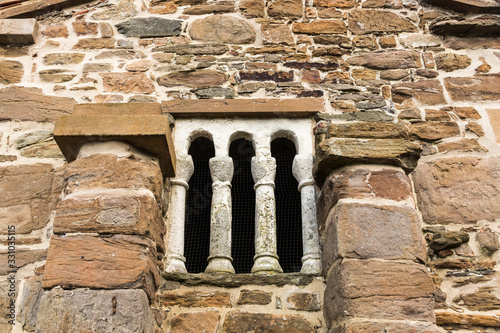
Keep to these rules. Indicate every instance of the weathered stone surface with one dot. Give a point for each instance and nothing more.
(117, 262)
(387, 59)
(214, 92)
(484, 299)
(466, 320)
(85, 28)
(164, 8)
(56, 75)
(379, 290)
(394, 74)
(111, 215)
(465, 145)
(127, 83)
(380, 326)
(44, 149)
(266, 76)
(488, 240)
(195, 322)
(85, 310)
(194, 49)
(193, 79)
(303, 301)
(139, 66)
(250, 87)
(30, 302)
(272, 49)
(232, 281)
(482, 26)
(320, 27)
(28, 204)
(434, 130)
(286, 8)
(23, 258)
(368, 231)
(116, 11)
(457, 43)
(362, 183)
(195, 299)
(94, 43)
(11, 71)
(237, 322)
(109, 171)
(476, 88)
(450, 61)
(222, 29)
(63, 58)
(442, 185)
(428, 92)
(222, 7)
(252, 8)
(277, 34)
(335, 3)
(91, 68)
(55, 31)
(122, 54)
(254, 297)
(494, 115)
(372, 130)
(447, 240)
(145, 27)
(428, 73)
(365, 21)
(420, 41)
(333, 153)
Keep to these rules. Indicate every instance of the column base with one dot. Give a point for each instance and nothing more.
(219, 265)
(311, 265)
(175, 264)
(266, 263)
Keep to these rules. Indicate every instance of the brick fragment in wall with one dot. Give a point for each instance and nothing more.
(195, 299)
(81, 310)
(477, 88)
(442, 184)
(222, 29)
(107, 214)
(366, 231)
(375, 289)
(206, 322)
(117, 262)
(261, 322)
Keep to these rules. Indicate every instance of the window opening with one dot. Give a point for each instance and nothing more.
(198, 205)
(288, 207)
(243, 206)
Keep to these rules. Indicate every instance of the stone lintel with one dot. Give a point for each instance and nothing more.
(300, 107)
(139, 125)
(18, 31)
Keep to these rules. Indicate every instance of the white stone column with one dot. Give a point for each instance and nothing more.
(302, 171)
(175, 243)
(266, 257)
(221, 169)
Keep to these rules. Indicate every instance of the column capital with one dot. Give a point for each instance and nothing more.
(263, 170)
(302, 169)
(221, 169)
(184, 169)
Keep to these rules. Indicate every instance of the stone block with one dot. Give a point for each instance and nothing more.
(106, 214)
(286, 8)
(217, 8)
(222, 29)
(428, 92)
(94, 43)
(193, 79)
(434, 130)
(368, 326)
(147, 27)
(85, 310)
(23, 258)
(494, 115)
(320, 27)
(375, 289)
(30, 302)
(194, 49)
(337, 152)
(482, 26)
(237, 322)
(117, 262)
(148, 132)
(18, 31)
(127, 83)
(195, 322)
(362, 183)
(216, 299)
(11, 71)
(483, 299)
(303, 301)
(466, 320)
(367, 231)
(474, 88)
(366, 21)
(450, 61)
(369, 130)
(458, 189)
(394, 59)
(254, 297)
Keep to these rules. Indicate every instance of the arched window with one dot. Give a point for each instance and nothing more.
(198, 204)
(288, 207)
(243, 206)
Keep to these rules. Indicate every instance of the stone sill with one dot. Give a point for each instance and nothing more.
(237, 280)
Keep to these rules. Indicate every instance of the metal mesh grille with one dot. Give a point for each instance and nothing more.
(243, 206)
(288, 209)
(198, 204)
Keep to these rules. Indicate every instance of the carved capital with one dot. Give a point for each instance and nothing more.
(184, 168)
(263, 170)
(221, 169)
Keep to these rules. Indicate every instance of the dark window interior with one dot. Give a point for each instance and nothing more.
(243, 206)
(198, 204)
(288, 209)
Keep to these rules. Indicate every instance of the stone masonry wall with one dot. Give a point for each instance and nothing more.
(399, 80)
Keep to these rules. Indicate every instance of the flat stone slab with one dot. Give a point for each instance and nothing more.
(150, 27)
(484, 26)
(18, 31)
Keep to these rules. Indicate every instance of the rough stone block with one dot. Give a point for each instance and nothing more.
(303, 301)
(367, 231)
(494, 115)
(105, 214)
(375, 289)
(334, 153)
(150, 27)
(362, 183)
(365, 21)
(367, 326)
(387, 59)
(30, 302)
(320, 27)
(111, 172)
(428, 92)
(23, 258)
(195, 322)
(434, 130)
(466, 320)
(116, 262)
(475, 88)
(237, 322)
(84, 310)
(196, 299)
(222, 29)
(18, 31)
(254, 297)
(193, 79)
(458, 189)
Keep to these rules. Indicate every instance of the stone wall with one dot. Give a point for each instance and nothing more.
(408, 139)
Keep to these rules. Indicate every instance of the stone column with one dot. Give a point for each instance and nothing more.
(266, 257)
(302, 171)
(176, 222)
(221, 169)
